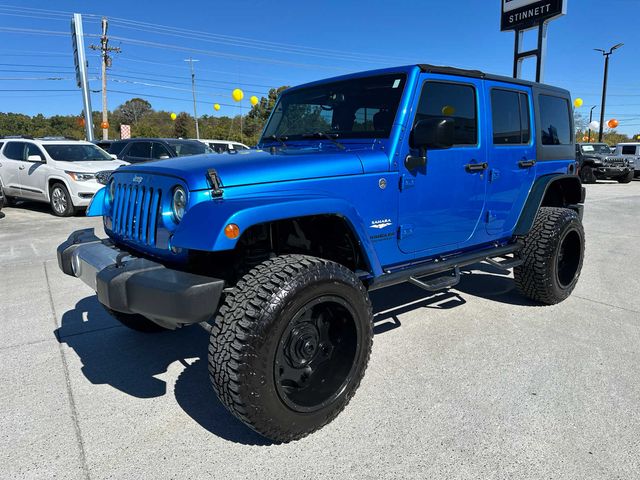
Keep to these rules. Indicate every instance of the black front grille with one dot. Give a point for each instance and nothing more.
(136, 210)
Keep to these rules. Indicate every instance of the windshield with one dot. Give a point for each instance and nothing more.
(357, 108)
(76, 153)
(184, 149)
(597, 148)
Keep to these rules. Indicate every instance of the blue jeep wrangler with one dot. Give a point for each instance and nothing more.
(360, 182)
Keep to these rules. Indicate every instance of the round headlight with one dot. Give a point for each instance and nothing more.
(178, 203)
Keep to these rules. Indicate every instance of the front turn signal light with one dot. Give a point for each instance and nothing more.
(232, 231)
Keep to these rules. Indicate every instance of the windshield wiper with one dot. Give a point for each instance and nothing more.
(329, 136)
(277, 138)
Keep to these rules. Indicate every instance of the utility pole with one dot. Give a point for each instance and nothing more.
(193, 90)
(604, 84)
(80, 60)
(105, 49)
(591, 120)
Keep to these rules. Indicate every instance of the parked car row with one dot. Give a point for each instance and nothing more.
(597, 162)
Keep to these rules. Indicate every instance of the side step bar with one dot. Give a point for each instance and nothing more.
(437, 283)
(452, 263)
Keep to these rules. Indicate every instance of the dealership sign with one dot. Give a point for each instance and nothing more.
(525, 14)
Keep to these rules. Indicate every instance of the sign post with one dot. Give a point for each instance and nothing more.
(523, 15)
(80, 60)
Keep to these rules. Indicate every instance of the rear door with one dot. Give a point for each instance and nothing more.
(11, 163)
(511, 154)
(441, 205)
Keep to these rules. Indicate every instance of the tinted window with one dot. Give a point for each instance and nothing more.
(628, 150)
(510, 112)
(116, 147)
(555, 120)
(237, 146)
(184, 148)
(454, 101)
(140, 149)
(159, 150)
(34, 150)
(219, 147)
(14, 150)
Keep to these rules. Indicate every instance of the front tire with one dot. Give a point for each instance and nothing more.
(587, 175)
(627, 178)
(290, 345)
(553, 254)
(60, 201)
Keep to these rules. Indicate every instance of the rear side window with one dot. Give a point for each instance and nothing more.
(454, 101)
(628, 150)
(116, 147)
(510, 112)
(14, 150)
(237, 146)
(555, 120)
(140, 149)
(219, 147)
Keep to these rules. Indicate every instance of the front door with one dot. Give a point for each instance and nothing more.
(33, 177)
(441, 205)
(512, 155)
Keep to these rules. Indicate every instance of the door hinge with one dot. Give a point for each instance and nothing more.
(407, 182)
(494, 175)
(405, 231)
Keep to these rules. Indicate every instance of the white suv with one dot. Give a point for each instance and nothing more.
(224, 146)
(630, 150)
(57, 171)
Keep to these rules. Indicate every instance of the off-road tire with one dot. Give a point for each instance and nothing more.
(627, 178)
(543, 276)
(251, 326)
(136, 322)
(60, 201)
(587, 175)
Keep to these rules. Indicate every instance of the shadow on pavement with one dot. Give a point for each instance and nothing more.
(132, 362)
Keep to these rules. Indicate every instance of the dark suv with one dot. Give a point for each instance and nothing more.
(138, 150)
(596, 162)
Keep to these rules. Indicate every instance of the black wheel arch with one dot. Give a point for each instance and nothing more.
(555, 190)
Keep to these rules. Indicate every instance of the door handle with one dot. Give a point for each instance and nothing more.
(524, 163)
(21, 167)
(476, 167)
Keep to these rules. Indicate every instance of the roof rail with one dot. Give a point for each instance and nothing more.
(17, 136)
(56, 138)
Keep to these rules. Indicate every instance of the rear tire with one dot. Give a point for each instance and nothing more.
(627, 178)
(553, 254)
(60, 200)
(587, 175)
(136, 322)
(290, 345)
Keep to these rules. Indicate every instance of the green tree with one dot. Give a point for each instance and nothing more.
(132, 111)
(181, 125)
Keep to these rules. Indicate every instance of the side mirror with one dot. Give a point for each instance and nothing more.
(114, 156)
(433, 133)
(163, 157)
(35, 158)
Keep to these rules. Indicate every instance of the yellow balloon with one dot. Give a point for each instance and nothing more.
(216, 106)
(237, 94)
(173, 116)
(448, 110)
(578, 102)
(254, 100)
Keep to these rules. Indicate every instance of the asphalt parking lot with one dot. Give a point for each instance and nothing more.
(472, 383)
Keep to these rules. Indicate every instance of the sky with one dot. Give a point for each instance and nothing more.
(256, 45)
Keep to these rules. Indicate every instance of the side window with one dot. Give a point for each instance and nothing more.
(116, 147)
(555, 120)
(160, 151)
(140, 149)
(237, 146)
(628, 150)
(219, 147)
(454, 101)
(14, 150)
(510, 115)
(34, 150)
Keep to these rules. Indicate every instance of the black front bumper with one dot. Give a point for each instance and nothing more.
(612, 172)
(129, 284)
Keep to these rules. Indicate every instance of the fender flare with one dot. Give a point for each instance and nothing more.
(202, 227)
(574, 196)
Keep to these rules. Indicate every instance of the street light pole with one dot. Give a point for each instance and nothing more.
(604, 84)
(591, 120)
(193, 90)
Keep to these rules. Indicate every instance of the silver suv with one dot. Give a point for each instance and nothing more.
(58, 171)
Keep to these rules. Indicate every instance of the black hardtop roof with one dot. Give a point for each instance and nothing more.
(486, 76)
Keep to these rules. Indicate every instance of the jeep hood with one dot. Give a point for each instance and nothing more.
(254, 167)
